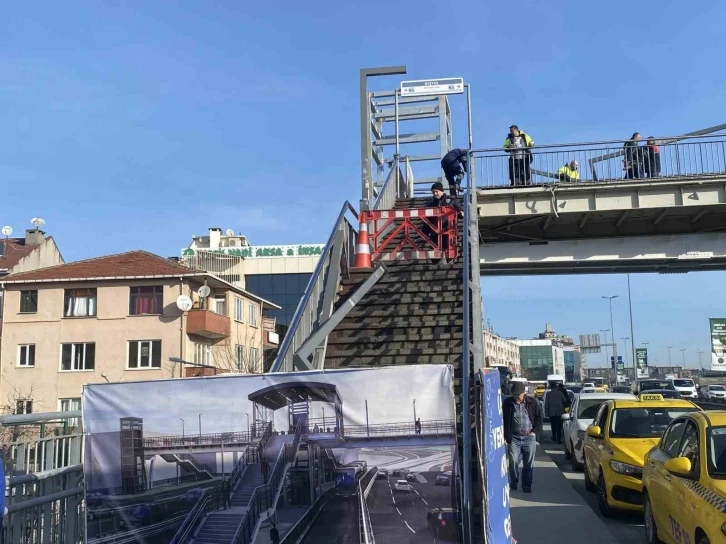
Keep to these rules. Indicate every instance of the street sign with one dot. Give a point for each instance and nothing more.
(590, 343)
(641, 362)
(426, 87)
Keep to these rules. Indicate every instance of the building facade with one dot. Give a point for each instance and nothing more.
(500, 351)
(116, 318)
(540, 357)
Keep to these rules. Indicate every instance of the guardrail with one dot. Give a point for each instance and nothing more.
(365, 528)
(443, 427)
(607, 161)
(397, 185)
(45, 507)
(210, 439)
(335, 261)
(711, 404)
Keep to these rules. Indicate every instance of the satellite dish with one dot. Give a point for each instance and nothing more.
(38, 222)
(7, 231)
(229, 232)
(184, 303)
(204, 291)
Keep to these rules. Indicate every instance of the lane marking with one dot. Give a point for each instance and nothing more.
(417, 493)
(407, 525)
(399, 512)
(424, 500)
(394, 499)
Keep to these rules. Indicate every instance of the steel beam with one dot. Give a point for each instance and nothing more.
(301, 358)
(408, 138)
(403, 113)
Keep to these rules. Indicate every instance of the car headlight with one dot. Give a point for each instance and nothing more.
(624, 468)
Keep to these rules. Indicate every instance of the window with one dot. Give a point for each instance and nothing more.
(28, 302)
(26, 355)
(202, 354)
(24, 406)
(80, 303)
(145, 354)
(689, 446)
(146, 300)
(78, 356)
(253, 359)
(239, 309)
(671, 439)
(239, 355)
(219, 305)
(253, 314)
(70, 405)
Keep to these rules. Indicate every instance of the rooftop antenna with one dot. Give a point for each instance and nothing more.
(7, 231)
(37, 222)
(229, 232)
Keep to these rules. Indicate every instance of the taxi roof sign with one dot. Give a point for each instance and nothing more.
(650, 397)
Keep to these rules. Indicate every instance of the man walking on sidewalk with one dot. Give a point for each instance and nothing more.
(555, 405)
(274, 535)
(522, 424)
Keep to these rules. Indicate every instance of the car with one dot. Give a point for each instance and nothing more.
(683, 481)
(588, 385)
(617, 442)
(646, 385)
(411, 477)
(402, 485)
(622, 389)
(382, 474)
(579, 418)
(666, 393)
(714, 392)
(588, 390)
(396, 472)
(444, 523)
(443, 479)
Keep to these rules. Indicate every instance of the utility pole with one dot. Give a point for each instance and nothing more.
(683, 352)
(632, 331)
(700, 363)
(670, 361)
(627, 361)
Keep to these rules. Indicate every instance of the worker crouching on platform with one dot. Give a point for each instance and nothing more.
(454, 166)
(439, 199)
(569, 172)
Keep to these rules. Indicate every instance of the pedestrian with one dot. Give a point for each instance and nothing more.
(569, 172)
(265, 466)
(554, 408)
(633, 158)
(227, 489)
(454, 166)
(418, 426)
(438, 200)
(522, 424)
(565, 394)
(518, 144)
(652, 158)
(274, 535)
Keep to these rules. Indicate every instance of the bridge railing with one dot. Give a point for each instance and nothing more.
(211, 439)
(297, 534)
(365, 527)
(443, 427)
(606, 161)
(45, 507)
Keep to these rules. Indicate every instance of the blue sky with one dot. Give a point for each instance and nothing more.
(135, 125)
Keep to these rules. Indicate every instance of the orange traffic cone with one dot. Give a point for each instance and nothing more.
(362, 248)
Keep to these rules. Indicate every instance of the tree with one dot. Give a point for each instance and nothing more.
(228, 358)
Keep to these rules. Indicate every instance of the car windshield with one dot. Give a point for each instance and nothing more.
(646, 386)
(575, 388)
(717, 452)
(683, 383)
(644, 422)
(717, 388)
(588, 408)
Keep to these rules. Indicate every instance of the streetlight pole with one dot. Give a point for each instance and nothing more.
(612, 327)
(670, 361)
(607, 348)
(683, 352)
(700, 363)
(200, 427)
(248, 423)
(632, 331)
(414, 411)
(627, 360)
(182, 420)
(368, 429)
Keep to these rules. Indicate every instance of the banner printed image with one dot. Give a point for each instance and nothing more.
(236, 458)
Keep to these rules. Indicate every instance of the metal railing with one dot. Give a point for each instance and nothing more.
(300, 529)
(315, 306)
(42, 454)
(199, 467)
(606, 161)
(265, 495)
(442, 427)
(397, 185)
(211, 439)
(365, 528)
(45, 507)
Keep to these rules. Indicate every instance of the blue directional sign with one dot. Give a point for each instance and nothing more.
(426, 87)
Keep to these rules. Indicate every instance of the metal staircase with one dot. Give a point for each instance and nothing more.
(190, 464)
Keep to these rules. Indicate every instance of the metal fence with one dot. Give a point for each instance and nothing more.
(211, 439)
(300, 529)
(608, 161)
(443, 427)
(365, 527)
(45, 507)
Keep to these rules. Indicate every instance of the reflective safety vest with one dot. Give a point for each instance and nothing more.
(527, 140)
(568, 173)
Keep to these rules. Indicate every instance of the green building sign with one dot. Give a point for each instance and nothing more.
(253, 252)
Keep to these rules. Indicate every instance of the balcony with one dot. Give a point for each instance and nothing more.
(208, 324)
(271, 338)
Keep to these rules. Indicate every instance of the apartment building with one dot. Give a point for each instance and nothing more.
(499, 351)
(116, 318)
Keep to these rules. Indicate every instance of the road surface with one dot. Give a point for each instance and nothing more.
(337, 522)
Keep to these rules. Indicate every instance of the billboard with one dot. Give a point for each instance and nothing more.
(168, 459)
(499, 523)
(718, 343)
(641, 362)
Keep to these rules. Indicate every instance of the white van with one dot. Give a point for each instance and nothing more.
(685, 387)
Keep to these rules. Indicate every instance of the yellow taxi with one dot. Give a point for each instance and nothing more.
(684, 482)
(539, 391)
(616, 443)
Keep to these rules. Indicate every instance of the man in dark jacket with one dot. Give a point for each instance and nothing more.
(439, 199)
(652, 158)
(555, 405)
(633, 157)
(454, 166)
(522, 424)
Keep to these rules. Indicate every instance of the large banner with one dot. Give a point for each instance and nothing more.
(169, 460)
(499, 523)
(718, 343)
(641, 362)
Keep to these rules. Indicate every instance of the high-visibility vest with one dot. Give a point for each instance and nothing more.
(574, 175)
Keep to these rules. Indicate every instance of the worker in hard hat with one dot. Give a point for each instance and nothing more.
(569, 172)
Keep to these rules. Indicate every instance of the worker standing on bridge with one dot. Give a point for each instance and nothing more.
(518, 145)
(633, 157)
(418, 426)
(438, 200)
(265, 466)
(454, 166)
(569, 172)
(522, 424)
(652, 158)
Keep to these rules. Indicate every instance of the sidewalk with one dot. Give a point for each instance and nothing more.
(554, 512)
